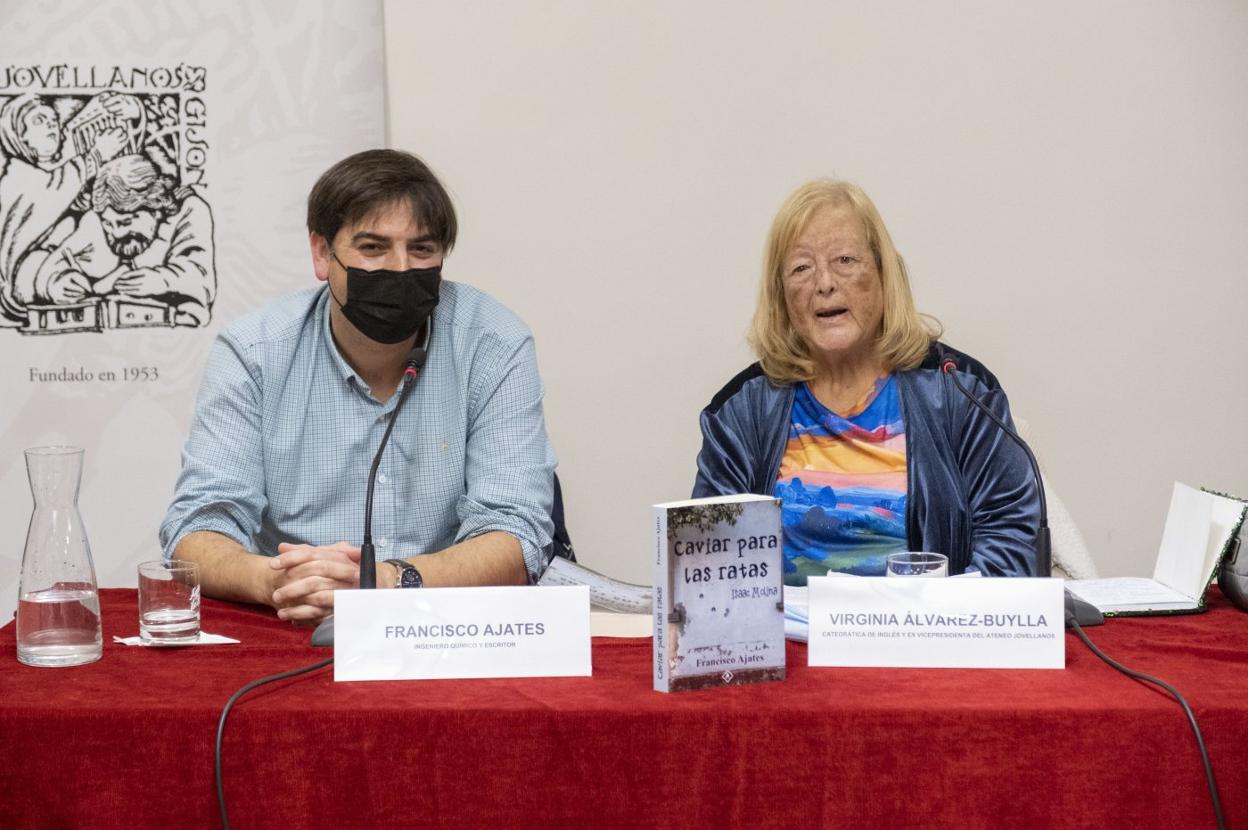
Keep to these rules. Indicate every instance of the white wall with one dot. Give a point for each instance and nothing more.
(1067, 180)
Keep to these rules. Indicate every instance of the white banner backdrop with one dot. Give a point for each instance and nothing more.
(156, 159)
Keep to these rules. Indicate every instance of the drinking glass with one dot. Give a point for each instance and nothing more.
(169, 602)
(917, 564)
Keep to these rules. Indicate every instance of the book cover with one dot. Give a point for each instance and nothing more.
(718, 593)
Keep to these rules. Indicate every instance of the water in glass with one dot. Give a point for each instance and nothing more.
(59, 626)
(58, 610)
(169, 602)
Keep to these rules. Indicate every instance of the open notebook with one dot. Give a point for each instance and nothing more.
(1200, 528)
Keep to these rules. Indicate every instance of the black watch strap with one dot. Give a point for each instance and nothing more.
(408, 577)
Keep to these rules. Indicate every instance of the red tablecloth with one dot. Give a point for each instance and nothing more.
(127, 741)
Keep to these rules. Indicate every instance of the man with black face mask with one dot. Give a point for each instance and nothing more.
(296, 397)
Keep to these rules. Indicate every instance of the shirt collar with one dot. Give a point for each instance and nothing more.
(344, 368)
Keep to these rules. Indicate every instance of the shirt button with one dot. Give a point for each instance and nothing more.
(383, 542)
(381, 478)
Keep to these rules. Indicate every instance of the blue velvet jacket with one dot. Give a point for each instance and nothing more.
(971, 494)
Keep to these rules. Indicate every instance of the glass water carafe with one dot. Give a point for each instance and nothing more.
(58, 609)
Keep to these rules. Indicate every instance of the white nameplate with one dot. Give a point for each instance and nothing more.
(429, 633)
(937, 623)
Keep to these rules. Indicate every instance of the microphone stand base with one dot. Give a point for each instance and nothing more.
(1083, 612)
(324, 633)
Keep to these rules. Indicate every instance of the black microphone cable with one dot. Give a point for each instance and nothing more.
(1072, 623)
(1044, 565)
(1044, 552)
(225, 819)
(411, 371)
(368, 572)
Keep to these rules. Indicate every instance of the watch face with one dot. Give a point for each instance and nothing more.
(410, 577)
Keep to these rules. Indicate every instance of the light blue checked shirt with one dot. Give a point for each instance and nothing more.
(285, 430)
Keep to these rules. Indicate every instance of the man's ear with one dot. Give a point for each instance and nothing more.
(321, 260)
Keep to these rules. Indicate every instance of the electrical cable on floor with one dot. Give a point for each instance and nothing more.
(226, 712)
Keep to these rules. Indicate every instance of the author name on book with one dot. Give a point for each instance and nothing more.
(720, 662)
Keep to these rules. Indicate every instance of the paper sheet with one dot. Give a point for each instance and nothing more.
(1130, 592)
(618, 624)
(797, 613)
(205, 639)
(1198, 526)
(604, 592)
(797, 606)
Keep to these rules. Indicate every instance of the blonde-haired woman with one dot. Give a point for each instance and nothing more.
(848, 418)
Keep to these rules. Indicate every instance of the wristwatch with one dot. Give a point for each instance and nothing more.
(408, 576)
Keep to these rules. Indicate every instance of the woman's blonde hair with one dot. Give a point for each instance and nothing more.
(905, 335)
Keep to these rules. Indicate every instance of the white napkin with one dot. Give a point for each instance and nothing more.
(205, 639)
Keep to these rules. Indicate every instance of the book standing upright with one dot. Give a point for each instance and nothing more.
(718, 593)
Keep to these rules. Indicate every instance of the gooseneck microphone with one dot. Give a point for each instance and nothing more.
(1044, 553)
(324, 633)
(415, 362)
(1079, 613)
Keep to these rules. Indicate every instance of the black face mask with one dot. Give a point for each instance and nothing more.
(390, 306)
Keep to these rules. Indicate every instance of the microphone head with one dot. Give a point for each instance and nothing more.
(948, 365)
(416, 358)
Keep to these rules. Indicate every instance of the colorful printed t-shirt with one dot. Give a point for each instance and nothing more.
(843, 485)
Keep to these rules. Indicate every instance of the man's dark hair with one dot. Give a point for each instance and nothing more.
(375, 179)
